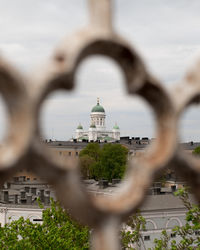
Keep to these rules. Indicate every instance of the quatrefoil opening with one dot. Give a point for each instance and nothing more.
(60, 73)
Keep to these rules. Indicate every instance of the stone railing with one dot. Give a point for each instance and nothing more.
(22, 146)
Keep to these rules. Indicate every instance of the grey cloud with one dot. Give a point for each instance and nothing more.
(166, 34)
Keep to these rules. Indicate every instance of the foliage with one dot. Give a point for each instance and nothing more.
(113, 161)
(196, 151)
(131, 232)
(93, 150)
(163, 242)
(108, 162)
(89, 158)
(187, 232)
(58, 231)
(87, 166)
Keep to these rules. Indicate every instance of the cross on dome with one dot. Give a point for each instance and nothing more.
(98, 108)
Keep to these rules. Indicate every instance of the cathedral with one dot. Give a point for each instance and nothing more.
(97, 130)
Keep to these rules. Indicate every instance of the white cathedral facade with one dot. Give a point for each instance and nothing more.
(97, 130)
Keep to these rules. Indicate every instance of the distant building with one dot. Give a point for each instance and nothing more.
(162, 210)
(97, 130)
(21, 190)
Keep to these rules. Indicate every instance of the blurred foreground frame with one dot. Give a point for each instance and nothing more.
(23, 148)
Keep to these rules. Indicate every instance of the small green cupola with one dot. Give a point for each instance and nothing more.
(80, 126)
(116, 126)
(98, 108)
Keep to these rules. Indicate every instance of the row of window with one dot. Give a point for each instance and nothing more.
(147, 237)
(98, 121)
(172, 235)
(23, 178)
(69, 153)
(171, 222)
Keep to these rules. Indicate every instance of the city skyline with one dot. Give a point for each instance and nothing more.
(166, 34)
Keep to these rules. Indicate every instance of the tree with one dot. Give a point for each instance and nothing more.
(131, 233)
(58, 231)
(107, 162)
(87, 166)
(93, 150)
(89, 158)
(113, 161)
(196, 151)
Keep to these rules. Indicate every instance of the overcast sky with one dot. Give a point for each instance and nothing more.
(166, 33)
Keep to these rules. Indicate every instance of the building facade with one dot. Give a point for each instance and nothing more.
(97, 130)
(161, 212)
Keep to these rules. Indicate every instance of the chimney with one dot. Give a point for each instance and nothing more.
(103, 183)
(115, 181)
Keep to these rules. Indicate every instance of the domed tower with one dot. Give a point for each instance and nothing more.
(116, 132)
(98, 116)
(79, 131)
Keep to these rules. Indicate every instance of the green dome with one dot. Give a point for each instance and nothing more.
(80, 126)
(98, 108)
(116, 126)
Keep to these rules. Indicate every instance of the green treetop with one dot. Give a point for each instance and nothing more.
(57, 231)
(108, 162)
(196, 151)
